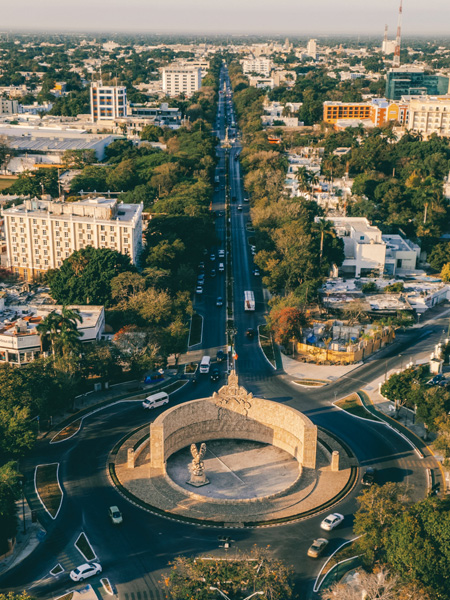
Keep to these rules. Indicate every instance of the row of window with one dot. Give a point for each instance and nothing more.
(44, 222)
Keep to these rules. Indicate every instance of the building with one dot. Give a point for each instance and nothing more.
(53, 141)
(364, 248)
(407, 81)
(8, 107)
(108, 102)
(401, 254)
(429, 114)
(181, 79)
(388, 46)
(20, 343)
(262, 66)
(379, 111)
(40, 234)
(274, 115)
(161, 114)
(311, 49)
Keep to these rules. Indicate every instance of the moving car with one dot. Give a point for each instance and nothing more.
(331, 521)
(219, 301)
(213, 273)
(212, 257)
(256, 272)
(221, 253)
(215, 375)
(239, 207)
(369, 476)
(317, 547)
(155, 400)
(221, 267)
(115, 515)
(85, 570)
(201, 265)
(199, 289)
(220, 356)
(250, 332)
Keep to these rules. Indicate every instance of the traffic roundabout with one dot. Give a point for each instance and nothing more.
(260, 463)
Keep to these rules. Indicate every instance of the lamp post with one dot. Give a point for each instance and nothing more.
(23, 507)
(211, 587)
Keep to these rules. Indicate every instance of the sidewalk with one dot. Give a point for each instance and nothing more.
(25, 542)
(326, 373)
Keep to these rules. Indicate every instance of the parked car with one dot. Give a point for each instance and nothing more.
(85, 570)
(369, 476)
(215, 375)
(219, 301)
(331, 521)
(199, 289)
(115, 515)
(317, 547)
(250, 333)
(220, 356)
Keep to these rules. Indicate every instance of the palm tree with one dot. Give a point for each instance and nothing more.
(48, 329)
(325, 228)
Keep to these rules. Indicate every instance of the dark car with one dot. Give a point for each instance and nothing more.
(215, 375)
(220, 356)
(250, 333)
(369, 476)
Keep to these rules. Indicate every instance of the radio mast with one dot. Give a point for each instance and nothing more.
(396, 62)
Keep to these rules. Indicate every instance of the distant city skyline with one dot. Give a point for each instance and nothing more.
(302, 17)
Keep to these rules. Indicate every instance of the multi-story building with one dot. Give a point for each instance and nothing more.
(407, 81)
(181, 79)
(108, 102)
(311, 49)
(262, 66)
(41, 234)
(378, 111)
(20, 342)
(429, 114)
(8, 107)
(161, 115)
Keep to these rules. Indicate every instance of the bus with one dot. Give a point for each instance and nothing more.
(249, 300)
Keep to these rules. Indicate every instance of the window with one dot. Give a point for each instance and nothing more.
(57, 223)
(102, 228)
(89, 236)
(58, 244)
(66, 244)
(66, 234)
(88, 226)
(111, 227)
(35, 231)
(34, 221)
(66, 224)
(103, 238)
(45, 262)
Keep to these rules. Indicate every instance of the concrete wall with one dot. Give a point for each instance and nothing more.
(233, 416)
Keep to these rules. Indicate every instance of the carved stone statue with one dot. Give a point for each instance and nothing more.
(197, 466)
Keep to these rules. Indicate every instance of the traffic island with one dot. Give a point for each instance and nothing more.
(267, 463)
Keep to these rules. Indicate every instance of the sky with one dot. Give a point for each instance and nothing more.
(301, 17)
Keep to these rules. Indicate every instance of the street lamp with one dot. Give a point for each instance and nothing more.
(211, 587)
(23, 507)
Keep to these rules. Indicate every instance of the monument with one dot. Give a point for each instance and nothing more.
(197, 467)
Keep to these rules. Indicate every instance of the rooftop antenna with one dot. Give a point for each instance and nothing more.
(396, 61)
(385, 33)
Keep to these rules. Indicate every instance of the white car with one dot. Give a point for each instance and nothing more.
(221, 267)
(331, 521)
(199, 289)
(221, 253)
(84, 571)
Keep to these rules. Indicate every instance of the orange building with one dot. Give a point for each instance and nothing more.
(379, 111)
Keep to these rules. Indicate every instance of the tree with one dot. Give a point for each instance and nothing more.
(9, 493)
(85, 277)
(324, 228)
(238, 577)
(442, 441)
(445, 273)
(378, 509)
(439, 256)
(77, 159)
(14, 596)
(126, 285)
(287, 323)
(151, 133)
(435, 403)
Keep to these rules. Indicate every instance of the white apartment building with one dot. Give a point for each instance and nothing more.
(274, 112)
(41, 234)
(429, 114)
(20, 343)
(108, 102)
(181, 79)
(263, 66)
(311, 49)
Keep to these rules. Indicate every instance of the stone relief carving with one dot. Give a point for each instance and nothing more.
(232, 396)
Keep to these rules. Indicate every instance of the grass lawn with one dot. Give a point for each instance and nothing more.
(65, 433)
(57, 570)
(311, 382)
(84, 547)
(353, 405)
(68, 596)
(173, 387)
(265, 339)
(48, 488)
(5, 183)
(195, 336)
(107, 586)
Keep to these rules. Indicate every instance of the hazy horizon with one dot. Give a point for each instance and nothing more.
(252, 17)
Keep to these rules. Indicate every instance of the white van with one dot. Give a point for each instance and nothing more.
(156, 400)
(205, 364)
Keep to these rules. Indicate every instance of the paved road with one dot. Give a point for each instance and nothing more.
(134, 555)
